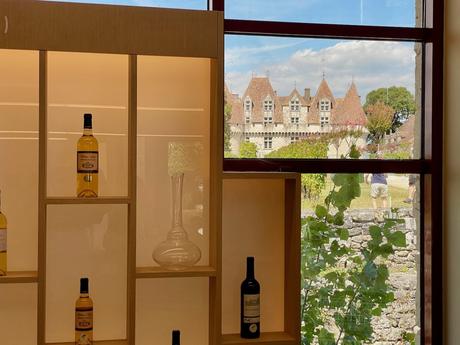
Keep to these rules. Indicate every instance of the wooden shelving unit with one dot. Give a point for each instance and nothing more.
(85, 28)
(270, 338)
(158, 272)
(104, 342)
(19, 277)
(87, 201)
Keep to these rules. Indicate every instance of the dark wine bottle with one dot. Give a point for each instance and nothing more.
(250, 303)
(175, 337)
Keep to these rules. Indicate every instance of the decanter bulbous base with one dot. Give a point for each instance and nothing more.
(176, 255)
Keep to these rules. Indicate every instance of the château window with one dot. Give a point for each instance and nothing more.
(325, 105)
(295, 119)
(268, 105)
(247, 105)
(294, 139)
(268, 143)
(247, 110)
(295, 104)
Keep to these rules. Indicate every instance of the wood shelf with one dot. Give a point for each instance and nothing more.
(19, 277)
(99, 342)
(159, 272)
(105, 200)
(268, 338)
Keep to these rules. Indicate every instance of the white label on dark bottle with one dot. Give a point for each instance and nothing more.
(2, 240)
(87, 162)
(251, 312)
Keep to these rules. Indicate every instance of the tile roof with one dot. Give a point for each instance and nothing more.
(258, 89)
(324, 92)
(350, 110)
(237, 106)
(345, 111)
(286, 99)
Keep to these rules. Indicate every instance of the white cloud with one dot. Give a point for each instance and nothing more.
(371, 64)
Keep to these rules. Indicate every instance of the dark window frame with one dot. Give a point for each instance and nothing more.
(429, 166)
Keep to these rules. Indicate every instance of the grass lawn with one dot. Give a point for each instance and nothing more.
(396, 195)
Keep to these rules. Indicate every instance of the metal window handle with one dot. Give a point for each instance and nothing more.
(6, 25)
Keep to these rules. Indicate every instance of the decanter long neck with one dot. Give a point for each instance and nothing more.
(177, 181)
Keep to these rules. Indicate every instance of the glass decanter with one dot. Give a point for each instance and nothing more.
(177, 252)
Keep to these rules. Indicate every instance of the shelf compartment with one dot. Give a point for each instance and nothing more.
(173, 303)
(269, 338)
(19, 277)
(99, 342)
(159, 272)
(271, 232)
(86, 201)
(86, 241)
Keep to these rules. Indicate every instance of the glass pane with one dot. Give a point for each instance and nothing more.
(19, 154)
(81, 83)
(360, 261)
(184, 4)
(317, 98)
(86, 241)
(173, 137)
(172, 303)
(18, 314)
(405, 13)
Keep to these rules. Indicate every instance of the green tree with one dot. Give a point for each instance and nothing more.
(343, 287)
(398, 98)
(227, 130)
(248, 150)
(379, 120)
(312, 184)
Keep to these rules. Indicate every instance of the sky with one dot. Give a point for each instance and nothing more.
(301, 63)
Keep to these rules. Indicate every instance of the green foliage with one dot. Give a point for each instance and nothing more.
(343, 288)
(248, 150)
(310, 148)
(312, 184)
(228, 154)
(409, 338)
(398, 98)
(379, 120)
(227, 130)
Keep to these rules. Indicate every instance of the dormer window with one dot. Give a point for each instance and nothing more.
(268, 110)
(247, 109)
(268, 104)
(325, 105)
(295, 104)
(247, 105)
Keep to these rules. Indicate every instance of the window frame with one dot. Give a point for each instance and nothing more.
(429, 165)
(268, 142)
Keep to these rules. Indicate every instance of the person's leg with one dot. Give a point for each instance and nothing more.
(384, 195)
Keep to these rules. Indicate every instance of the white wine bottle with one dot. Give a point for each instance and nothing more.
(3, 244)
(87, 161)
(84, 315)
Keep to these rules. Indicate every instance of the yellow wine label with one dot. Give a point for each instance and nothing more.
(2, 240)
(251, 312)
(87, 162)
(84, 319)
